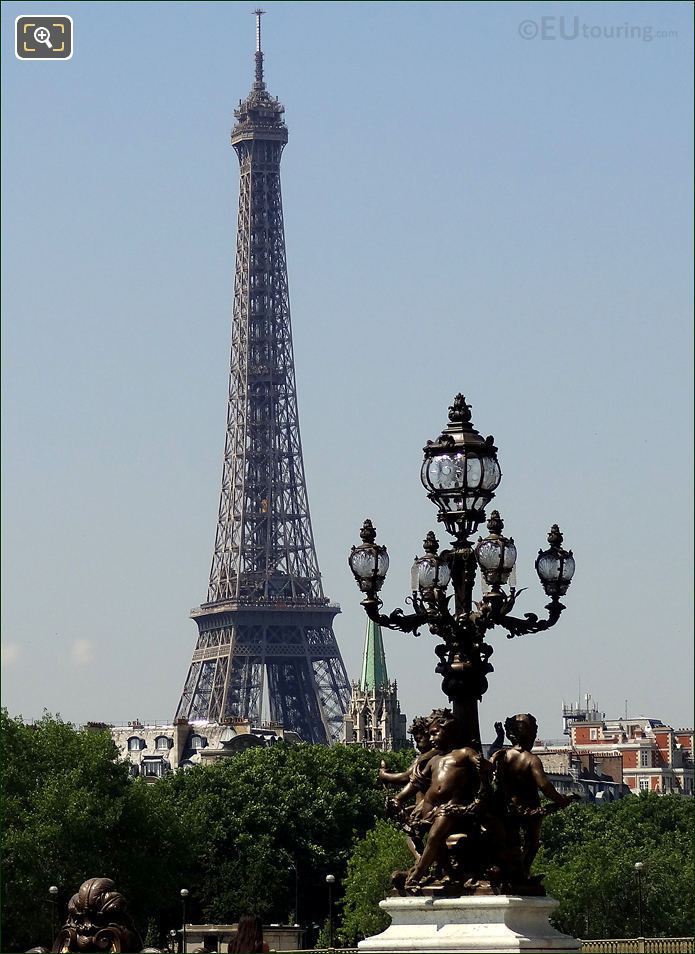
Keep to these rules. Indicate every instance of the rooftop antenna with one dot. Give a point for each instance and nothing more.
(259, 84)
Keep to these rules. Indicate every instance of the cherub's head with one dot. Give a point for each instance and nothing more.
(420, 731)
(521, 729)
(445, 730)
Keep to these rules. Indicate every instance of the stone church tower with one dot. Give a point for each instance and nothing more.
(374, 718)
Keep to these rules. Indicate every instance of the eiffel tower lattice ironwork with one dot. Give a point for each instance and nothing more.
(266, 626)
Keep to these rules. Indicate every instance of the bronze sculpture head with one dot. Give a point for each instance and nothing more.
(98, 920)
(445, 730)
(420, 731)
(521, 730)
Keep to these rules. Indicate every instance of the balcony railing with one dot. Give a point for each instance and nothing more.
(639, 945)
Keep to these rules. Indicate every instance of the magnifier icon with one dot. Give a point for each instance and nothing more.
(43, 35)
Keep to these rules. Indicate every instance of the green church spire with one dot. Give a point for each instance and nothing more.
(374, 674)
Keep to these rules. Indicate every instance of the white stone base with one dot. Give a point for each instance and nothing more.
(487, 924)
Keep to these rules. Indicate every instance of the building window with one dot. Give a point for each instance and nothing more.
(161, 742)
(135, 744)
(593, 734)
(645, 759)
(644, 784)
(153, 769)
(197, 742)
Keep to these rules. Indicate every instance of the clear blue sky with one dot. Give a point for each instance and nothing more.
(466, 209)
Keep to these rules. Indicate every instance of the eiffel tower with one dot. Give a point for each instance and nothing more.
(266, 628)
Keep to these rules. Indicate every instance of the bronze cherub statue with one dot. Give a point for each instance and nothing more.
(473, 824)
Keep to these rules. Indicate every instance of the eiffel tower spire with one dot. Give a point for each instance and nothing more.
(266, 625)
(259, 84)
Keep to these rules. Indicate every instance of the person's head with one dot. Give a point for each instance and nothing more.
(249, 936)
(521, 729)
(420, 731)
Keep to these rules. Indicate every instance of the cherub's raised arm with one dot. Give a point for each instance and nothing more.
(545, 785)
(499, 740)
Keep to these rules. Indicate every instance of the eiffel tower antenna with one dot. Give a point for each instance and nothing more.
(266, 621)
(259, 84)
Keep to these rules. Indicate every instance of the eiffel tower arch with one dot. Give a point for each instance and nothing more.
(266, 627)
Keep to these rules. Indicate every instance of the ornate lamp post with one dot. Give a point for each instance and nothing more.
(53, 895)
(184, 894)
(639, 868)
(330, 881)
(460, 473)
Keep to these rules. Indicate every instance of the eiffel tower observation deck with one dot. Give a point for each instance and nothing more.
(265, 633)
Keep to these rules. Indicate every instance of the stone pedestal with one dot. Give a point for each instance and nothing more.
(483, 923)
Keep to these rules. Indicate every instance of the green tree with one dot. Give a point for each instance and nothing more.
(62, 794)
(382, 851)
(71, 812)
(231, 832)
(588, 856)
(152, 934)
(252, 817)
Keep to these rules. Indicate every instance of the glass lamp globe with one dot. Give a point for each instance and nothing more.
(555, 566)
(496, 554)
(369, 562)
(430, 571)
(460, 471)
